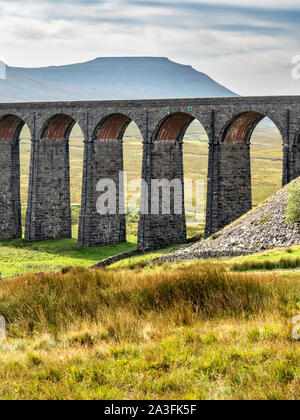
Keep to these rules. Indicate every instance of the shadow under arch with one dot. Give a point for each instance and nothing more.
(11, 126)
(112, 127)
(49, 210)
(103, 211)
(173, 127)
(233, 186)
(10, 198)
(57, 127)
(242, 125)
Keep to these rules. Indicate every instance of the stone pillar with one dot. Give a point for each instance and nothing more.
(103, 159)
(10, 205)
(297, 158)
(49, 210)
(288, 167)
(163, 160)
(229, 185)
(211, 224)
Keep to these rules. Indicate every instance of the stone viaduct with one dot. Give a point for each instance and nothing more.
(229, 123)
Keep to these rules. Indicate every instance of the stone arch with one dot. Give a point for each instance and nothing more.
(232, 187)
(104, 160)
(240, 127)
(11, 127)
(57, 127)
(163, 163)
(49, 210)
(112, 127)
(10, 198)
(173, 127)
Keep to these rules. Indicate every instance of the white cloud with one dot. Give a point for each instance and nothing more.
(249, 51)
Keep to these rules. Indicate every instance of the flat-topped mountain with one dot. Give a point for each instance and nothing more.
(109, 78)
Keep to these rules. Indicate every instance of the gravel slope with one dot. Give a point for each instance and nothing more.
(261, 229)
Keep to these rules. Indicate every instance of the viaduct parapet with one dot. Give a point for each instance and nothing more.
(229, 123)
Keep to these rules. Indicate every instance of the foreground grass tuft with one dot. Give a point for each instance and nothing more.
(283, 263)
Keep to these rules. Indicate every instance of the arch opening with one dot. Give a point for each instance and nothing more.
(266, 154)
(195, 164)
(132, 161)
(76, 154)
(25, 155)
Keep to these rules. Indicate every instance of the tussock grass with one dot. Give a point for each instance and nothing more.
(117, 299)
(283, 263)
(194, 332)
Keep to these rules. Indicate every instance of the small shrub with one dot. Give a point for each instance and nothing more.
(216, 236)
(65, 270)
(254, 335)
(34, 360)
(82, 340)
(211, 339)
(293, 205)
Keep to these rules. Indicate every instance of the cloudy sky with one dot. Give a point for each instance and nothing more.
(246, 45)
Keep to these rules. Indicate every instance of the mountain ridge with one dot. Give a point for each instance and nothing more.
(106, 78)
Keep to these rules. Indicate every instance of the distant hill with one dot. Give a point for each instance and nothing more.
(109, 78)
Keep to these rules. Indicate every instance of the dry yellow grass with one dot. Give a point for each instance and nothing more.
(156, 333)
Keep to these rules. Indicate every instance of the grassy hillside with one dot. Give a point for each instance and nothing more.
(159, 333)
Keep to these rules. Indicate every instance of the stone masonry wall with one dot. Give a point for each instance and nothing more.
(104, 159)
(49, 213)
(157, 230)
(231, 184)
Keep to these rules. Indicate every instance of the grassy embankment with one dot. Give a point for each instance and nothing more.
(161, 332)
